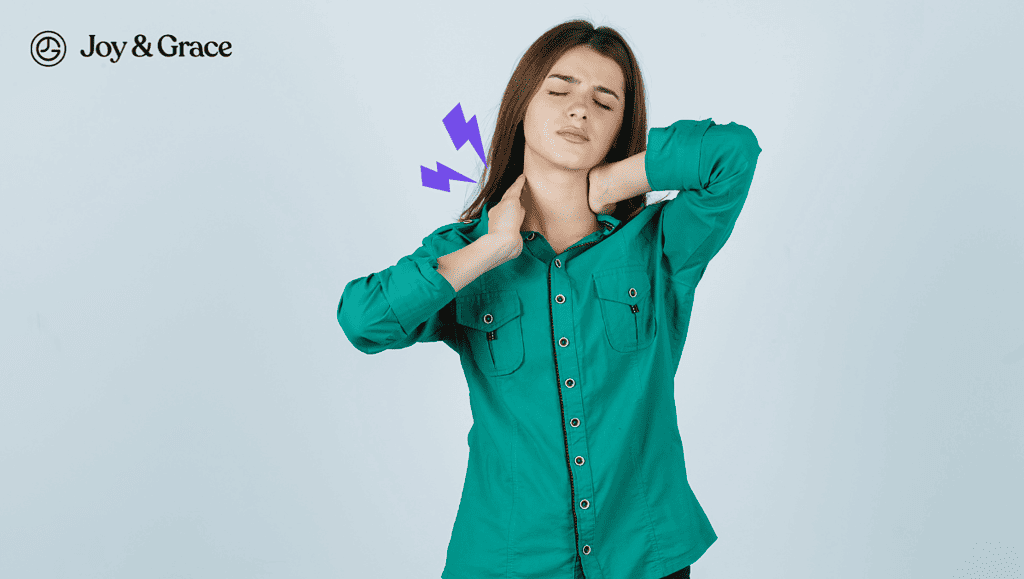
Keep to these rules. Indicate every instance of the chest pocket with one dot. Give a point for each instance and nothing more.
(627, 306)
(492, 324)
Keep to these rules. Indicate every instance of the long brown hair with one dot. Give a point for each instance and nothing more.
(505, 156)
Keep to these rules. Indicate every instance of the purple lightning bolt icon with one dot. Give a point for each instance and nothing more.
(441, 178)
(461, 131)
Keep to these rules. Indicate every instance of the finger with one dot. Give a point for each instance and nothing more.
(517, 186)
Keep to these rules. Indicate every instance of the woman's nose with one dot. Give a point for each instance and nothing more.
(578, 110)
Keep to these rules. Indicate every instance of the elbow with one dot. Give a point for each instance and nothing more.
(743, 151)
(344, 320)
(747, 145)
(739, 142)
(355, 330)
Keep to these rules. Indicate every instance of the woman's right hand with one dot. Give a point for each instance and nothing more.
(505, 219)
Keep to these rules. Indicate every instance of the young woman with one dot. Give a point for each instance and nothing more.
(568, 298)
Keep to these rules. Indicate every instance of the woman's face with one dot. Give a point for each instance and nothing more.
(584, 93)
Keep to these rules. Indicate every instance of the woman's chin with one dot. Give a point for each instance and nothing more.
(564, 160)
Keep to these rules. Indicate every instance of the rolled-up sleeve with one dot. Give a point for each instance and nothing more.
(406, 303)
(712, 167)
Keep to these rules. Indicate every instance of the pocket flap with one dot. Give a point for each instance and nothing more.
(618, 285)
(487, 311)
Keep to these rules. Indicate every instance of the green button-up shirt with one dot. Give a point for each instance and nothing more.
(575, 458)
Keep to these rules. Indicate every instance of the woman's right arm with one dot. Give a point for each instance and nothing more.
(411, 301)
(408, 302)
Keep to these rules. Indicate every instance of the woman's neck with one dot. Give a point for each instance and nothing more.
(555, 200)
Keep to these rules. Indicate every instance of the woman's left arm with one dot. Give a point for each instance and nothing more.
(711, 166)
(614, 182)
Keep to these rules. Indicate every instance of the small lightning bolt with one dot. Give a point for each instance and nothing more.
(442, 177)
(461, 131)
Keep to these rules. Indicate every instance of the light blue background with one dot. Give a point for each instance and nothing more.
(177, 398)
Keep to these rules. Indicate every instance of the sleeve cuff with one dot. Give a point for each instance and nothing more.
(673, 155)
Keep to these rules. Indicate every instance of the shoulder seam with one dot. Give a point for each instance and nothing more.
(449, 227)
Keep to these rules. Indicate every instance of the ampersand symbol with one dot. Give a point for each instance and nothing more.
(146, 50)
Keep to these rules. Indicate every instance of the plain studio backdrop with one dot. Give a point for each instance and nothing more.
(177, 398)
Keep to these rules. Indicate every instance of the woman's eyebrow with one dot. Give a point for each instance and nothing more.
(567, 78)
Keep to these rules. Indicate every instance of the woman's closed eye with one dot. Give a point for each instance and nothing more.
(598, 103)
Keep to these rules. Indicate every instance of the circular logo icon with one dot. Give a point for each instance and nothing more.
(48, 48)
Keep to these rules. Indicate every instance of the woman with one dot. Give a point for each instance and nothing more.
(568, 298)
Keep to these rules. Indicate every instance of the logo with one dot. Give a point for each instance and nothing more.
(48, 48)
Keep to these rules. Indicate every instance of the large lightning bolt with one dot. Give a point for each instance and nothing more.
(442, 177)
(461, 131)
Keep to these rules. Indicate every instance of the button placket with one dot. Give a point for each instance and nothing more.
(568, 367)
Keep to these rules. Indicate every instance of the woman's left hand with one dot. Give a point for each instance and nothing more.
(598, 182)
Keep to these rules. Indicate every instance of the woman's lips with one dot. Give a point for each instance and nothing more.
(572, 138)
